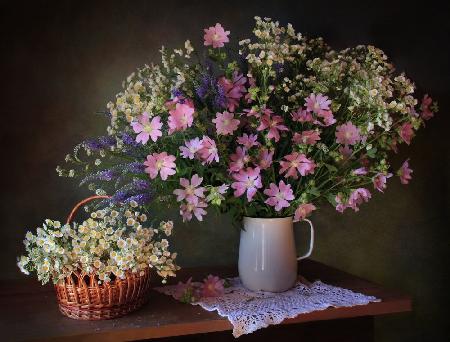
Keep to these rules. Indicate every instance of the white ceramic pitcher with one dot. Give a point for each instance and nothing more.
(267, 253)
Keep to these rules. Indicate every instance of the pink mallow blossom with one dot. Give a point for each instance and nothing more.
(147, 129)
(327, 117)
(302, 115)
(360, 171)
(306, 137)
(265, 157)
(296, 163)
(274, 124)
(216, 36)
(161, 163)
(405, 172)
(181, 117)
(233, 89)
(379, 181)
(248, 140)
(346, 151)
(279, 196)
(239, 159)
(425, 107)
(303, 211)
(196, 209)
(191, 148)
(248, 180)
(208, 153)
(356, 198)
(225, 122)
(187, 292)
(406, 132)
(192, 191)
(212, 286)
(347, 134)
(317, 103)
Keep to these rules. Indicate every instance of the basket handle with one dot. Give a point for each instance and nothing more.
(79, 204)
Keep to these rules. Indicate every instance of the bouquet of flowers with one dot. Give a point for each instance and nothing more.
(273, 128)
(95, 247)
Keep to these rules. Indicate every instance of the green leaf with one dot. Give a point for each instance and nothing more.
(331, 199)
(372, 152)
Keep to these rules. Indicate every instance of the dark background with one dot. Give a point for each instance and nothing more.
(62, 61)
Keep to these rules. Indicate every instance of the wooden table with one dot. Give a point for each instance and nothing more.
(29, 312)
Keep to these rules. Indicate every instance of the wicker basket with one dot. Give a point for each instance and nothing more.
(80, 296)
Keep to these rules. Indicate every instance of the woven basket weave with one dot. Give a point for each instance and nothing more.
(80, 296)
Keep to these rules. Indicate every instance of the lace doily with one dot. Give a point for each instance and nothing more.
(249, 311)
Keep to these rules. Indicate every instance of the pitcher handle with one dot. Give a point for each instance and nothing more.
(311, 241)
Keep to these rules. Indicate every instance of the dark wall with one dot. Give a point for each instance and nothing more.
(63, 61)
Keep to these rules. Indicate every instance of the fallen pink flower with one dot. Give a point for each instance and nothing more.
(212, 286)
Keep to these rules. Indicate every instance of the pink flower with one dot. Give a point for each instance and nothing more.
(239, 159)
(208, 153)
(379, 181)
(212, 286)
(360, 172)
(328, 118)
(306, 137)
(296, 163)
(233, 89)
(405, 172)
(303, 211)
(248, 180)
(279, 196)
(252, 112)
(216, 36)
(302, 115)
(248, 140)
(191, 148)
(187, 292)
(147, 129)
(265, 158)
(162, 163)
(317, 103)
(225, 123)
(187, 209)
(274, 124)
(191, 192)
(427, 113)
(347, 134)
(340, 204)
(346, 151)
(181, 117)
(406, 132)
(357, 197)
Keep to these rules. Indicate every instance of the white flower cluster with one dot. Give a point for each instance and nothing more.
(149, 88)
(274, 44)
(110, 244)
